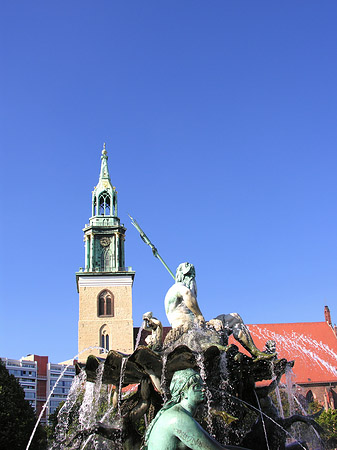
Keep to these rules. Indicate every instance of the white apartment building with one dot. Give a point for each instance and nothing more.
(26, 372)
(38, 377)
(62, 388)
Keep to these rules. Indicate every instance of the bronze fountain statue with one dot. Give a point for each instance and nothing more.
(196, 350)
(197, 364)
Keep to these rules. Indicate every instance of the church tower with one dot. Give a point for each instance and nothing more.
(104, 284)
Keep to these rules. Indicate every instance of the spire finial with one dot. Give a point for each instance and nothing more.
(104, 164)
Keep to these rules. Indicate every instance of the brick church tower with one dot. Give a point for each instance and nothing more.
(104, 284)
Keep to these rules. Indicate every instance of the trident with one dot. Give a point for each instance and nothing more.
(148, 242)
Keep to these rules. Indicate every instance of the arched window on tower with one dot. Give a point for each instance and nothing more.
(114, 205)
(94, 205)
(101, 306)
(108, 306)
(104, 204)
(104, 339)
(105, 305)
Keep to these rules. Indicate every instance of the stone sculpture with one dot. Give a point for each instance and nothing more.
(276, 427)
(181, 305)
(183, 313)
(234, 402)
(154, 325)
(174, 426)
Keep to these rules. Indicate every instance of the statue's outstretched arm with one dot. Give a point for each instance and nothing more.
(286, 423)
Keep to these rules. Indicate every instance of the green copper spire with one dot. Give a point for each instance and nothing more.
(104, 235)
(104, 196)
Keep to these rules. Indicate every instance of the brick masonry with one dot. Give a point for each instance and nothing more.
(119, 326)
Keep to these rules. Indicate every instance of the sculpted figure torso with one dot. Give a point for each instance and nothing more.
(175, 306)
(183, 312)
(177, 429)
(181, 304)
(174, 426)
(154, 325)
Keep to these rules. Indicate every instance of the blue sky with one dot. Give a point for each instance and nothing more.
(220, 124)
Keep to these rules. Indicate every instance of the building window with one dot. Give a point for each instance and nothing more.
(105, 305)
(108, 306)
(104, 204)
(29, 394)
(101, 306)
(94, 211)
(114, 206)
(309, 397)
(104, 339)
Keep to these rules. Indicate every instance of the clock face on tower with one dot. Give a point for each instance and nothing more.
(104, 241)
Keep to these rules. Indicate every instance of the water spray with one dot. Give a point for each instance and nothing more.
(52, 391)
(261, 412)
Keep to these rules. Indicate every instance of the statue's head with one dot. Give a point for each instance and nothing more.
(182, 381)
(270, 346)
(147, 316)
(185, 270)
(186, 274)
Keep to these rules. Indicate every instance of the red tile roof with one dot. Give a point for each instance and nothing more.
(313, 346)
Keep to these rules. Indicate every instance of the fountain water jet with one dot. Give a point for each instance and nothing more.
(271, 419)
(52, 391)
(200, 360)
(139, 334)
(228, 374)
(121, 379)
(201, 348)
(262, 420)
(163, 385)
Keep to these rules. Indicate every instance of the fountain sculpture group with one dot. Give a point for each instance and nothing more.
(190, 382)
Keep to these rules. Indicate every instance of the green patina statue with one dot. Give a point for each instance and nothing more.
(154, 325)
(174, 426)
(183, 313)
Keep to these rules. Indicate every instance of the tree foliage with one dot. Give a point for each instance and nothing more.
(314, 407)
(328, 421)
(17, 417)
